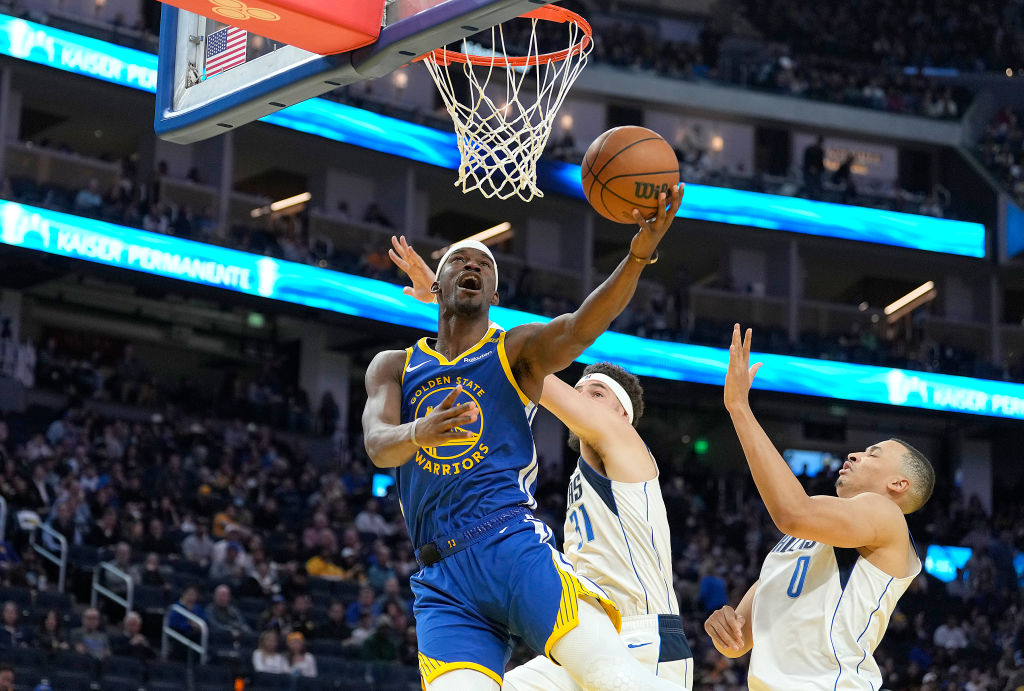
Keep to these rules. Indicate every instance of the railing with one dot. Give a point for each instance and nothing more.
(98, 589)
(61, 561)
(169, 633)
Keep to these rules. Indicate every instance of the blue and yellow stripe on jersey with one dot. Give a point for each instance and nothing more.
(448, 488)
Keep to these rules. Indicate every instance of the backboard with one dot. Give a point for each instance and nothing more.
(192, 105)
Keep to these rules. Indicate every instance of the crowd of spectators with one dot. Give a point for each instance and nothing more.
(807, 51)
(297, 568)
(851, 84)
(983, 35)
(1001, 150)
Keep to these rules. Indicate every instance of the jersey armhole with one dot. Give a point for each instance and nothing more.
(508, 369)
(405, 365)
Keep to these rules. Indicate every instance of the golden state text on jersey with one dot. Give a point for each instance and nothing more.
(443, 488)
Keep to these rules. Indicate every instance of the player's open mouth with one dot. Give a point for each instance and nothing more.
(847, 467)
(469, 281)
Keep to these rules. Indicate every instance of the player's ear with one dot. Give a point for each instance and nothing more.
(899, 485)
(494, 298)
(435, 287)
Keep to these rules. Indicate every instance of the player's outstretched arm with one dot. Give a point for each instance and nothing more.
(610, 434)
(867, 520)
(409, 260)
(388, 442)
(731, 630)
(537, 350)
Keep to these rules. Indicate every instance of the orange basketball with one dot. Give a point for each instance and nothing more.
(628, 168)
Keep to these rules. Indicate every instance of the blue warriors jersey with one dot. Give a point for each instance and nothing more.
(450, 487)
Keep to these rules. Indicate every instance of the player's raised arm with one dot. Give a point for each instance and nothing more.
(537, 350)
(388, 442)
(865, 520)
(607, 432)
(731, 630)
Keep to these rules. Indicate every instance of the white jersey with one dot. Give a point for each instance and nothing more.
(819, 613)
(616, 534)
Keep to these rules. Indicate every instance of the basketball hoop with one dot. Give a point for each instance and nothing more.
(501, 140)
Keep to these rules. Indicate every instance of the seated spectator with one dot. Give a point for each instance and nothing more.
(382, 644)
(334, 625)
(158, 541)
(89, 201)
(351, 567)
(190, 601)
(950, 635)
(392, 592)
(365, 604)
(106, 531)
(363, 629)
(6, 677)
(90, 639)
(323, 564)
(50, 636)
(11, 633)
(223, 616)
(150, 572)
(276, 618)
(231, 567)
(370, 521)
(311, 536)
(266, 657)
(131, 642)
(302, 615)
(381, 568)
(299, 661)
(198, 547)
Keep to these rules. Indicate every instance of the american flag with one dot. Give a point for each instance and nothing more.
(225, 49)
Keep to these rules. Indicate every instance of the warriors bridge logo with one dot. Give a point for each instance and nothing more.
(461, 455)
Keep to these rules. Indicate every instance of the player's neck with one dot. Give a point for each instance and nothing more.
(592, 457)
(457, 334)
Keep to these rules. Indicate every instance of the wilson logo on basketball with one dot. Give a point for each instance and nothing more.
(647, 190)
(236, 9)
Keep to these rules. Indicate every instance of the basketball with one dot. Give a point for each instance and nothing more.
(628, 168)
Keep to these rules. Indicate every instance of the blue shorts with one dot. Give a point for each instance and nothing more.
(469, 604)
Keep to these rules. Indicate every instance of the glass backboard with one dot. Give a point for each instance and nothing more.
(195, 103)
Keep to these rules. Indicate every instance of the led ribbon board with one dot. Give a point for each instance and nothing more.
(218, 267)
(129, 67)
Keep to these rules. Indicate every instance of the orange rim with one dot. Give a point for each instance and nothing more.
(550, 13)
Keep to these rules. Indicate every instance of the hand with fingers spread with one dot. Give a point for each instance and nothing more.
(740, 374)
(725, 627)
(645, 242)
(409, 260)
(446, 423)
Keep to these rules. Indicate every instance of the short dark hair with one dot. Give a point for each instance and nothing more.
(626, 380)
(921, 474)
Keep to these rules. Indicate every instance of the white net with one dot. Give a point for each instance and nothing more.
(502, 129)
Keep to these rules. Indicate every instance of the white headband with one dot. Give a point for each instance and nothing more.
(469, 244)
(616, 387)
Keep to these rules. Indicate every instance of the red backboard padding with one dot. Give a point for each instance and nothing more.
(319, 26)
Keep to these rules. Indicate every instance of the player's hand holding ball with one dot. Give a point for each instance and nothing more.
(631, 175)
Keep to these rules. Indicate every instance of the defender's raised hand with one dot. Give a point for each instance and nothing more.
(740, 374)
(645, 242)
(409, 260)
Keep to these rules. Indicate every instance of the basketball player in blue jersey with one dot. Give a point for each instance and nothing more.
(828, 588)
(616, 528)
(453, 415)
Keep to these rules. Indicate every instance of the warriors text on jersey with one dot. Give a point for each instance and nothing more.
(449, 487)
(616, 534)
(819, 613)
